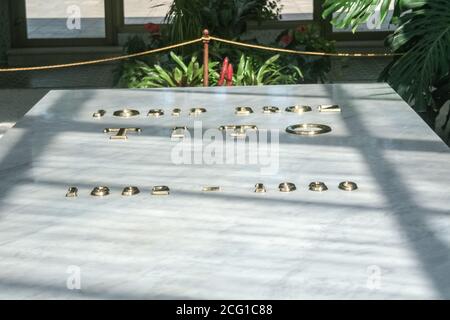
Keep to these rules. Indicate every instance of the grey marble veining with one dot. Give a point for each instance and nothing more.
(388, 240)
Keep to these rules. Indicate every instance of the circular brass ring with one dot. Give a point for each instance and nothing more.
(299, 109)
(308, 129)
(270, 109)
(100, 191)
(348, 186)
(318, 186)
(130, 191)
(287, 187)
(126, 113)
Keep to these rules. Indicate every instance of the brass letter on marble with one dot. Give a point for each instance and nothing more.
(121, 133)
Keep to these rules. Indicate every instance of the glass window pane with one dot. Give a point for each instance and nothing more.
(54, 19)
(373, 24)
(297, 9)
(145, 11)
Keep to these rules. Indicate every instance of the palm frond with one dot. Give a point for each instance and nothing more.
(424, 35)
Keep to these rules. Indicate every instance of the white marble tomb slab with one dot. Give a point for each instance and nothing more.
(388, 240)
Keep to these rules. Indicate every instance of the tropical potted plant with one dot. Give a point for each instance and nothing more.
(421, 74)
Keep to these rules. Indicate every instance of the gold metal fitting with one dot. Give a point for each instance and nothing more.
(211, 189)
(176, 112)
(130, 191)
(318, 186)
(243, 111)
(99, 114)
(100, 191)
(348, 186)
(287, 187)
(329, 108)
(260, 188)
(72, 193)
(299, 109)
(270, 109)
(126, 113)
(121, 133)
(155, 113)
(160, 191)
(197, 111)
(239, 130)
(179, 132)
(308, 129)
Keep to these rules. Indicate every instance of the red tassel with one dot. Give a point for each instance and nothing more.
(223, 72)
(230, 75)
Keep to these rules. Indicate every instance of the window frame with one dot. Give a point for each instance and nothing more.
(19, 35)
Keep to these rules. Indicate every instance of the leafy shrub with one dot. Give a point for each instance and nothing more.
(307, 38)
(138, 74)
(250, 71)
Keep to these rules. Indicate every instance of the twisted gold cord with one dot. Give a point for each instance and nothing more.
(204, 39)
(83, 63)
(309, 53)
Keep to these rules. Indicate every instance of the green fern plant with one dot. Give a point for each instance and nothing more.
(251, 72)
(422, 35)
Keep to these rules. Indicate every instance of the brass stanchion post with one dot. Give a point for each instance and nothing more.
(205, 58)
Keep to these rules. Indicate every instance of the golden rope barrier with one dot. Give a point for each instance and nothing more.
(202, 39)
(83, 63)
(309, 53)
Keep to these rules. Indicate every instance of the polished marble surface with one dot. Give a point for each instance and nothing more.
(390, 239)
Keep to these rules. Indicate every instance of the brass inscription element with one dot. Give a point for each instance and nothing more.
(98, 114)
(239, 130)
(329, 108)
(160, 191)
(260, 188)
(126, 113)
(211, 189)
(348, 186)
(130, 191)
(155, 113)
(308, 129)
(100, 191)
(299, 109)
(121, 133)
(197, 111)
(243, 111)
(270, 109)
(176, 112)
(287, 187)
(318, 186)
(179, 132)
(72, 192)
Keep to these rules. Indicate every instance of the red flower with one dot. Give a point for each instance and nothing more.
(230, 75)
(302, 29)
(152, 28)
(286, 40)
(223, 72)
